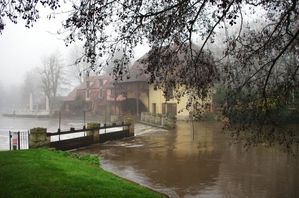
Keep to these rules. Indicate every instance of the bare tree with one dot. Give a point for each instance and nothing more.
(116, 58)
(11, 98)
(52, 77)
(78, 68)
(32, 86)
(163, 23)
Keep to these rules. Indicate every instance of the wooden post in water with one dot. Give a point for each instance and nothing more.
(59, 125)
(105, 117)
(59, 122)
(84, 120)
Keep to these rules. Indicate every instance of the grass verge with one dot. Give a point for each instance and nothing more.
(45, 173)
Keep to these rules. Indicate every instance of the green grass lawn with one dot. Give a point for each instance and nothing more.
(45, 173)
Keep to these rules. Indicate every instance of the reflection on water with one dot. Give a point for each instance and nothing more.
(182, 164)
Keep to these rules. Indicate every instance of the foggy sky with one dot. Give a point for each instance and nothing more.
(22, 49)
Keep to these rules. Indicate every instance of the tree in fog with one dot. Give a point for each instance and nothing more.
(164, 23)
(32, 86)
(52, 78)
(257, 68)
(77, 68)
(117, 58)
(11, 98)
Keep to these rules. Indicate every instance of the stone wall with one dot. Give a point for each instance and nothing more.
(38, 138)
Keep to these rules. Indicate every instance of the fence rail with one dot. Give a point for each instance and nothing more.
(73, 130)
(94, 137)
(72, 143)
(40, 137)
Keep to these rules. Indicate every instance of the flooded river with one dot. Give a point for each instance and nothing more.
(204, 164)
(180, 163)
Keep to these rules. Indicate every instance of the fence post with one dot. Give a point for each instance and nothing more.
(38, 138)
(95, 133)
(130, 122)
(84, 119)
(59, 125)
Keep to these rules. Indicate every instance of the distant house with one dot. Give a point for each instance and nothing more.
(135, 89)
(94, 95)
(101, 94)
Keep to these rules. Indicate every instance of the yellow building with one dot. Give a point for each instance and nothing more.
(159, 104)
(155, 101)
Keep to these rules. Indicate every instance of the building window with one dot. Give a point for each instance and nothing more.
(154, 108)
(163, 108)
(168, 108)
(168, 94)
(171, 108)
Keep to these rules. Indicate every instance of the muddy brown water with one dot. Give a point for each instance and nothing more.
(204, 164)
(182, 164)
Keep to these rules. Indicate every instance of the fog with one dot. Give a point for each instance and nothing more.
(23, 50)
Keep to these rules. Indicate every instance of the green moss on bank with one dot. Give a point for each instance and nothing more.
(45, 173)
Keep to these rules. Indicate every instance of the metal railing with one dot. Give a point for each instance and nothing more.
(18, 140)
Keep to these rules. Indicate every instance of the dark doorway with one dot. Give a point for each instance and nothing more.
(130, 106)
